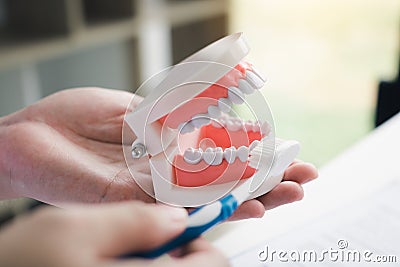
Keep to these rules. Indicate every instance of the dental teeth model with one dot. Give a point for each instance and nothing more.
(196, 148)
(214, 156)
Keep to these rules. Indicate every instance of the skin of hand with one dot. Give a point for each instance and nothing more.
(95, 236)
(67, 148)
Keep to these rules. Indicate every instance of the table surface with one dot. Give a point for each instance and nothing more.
(359, 171)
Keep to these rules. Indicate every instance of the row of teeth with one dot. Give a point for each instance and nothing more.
(214, 156)
(236, 95)
(236, 124)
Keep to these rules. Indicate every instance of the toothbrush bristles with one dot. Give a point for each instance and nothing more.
(262, 154)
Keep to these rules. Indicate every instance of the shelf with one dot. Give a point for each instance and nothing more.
(96, 29)
(104, 11)
(188, 38)
(34, 50)
(181, 12)
(26, 19)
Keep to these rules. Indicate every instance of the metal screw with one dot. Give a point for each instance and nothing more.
(138, 150)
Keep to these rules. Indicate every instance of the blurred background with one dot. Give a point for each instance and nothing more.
(323, 59)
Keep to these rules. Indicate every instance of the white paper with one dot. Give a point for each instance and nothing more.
(360, 234)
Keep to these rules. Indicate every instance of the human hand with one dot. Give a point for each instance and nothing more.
(96, 236)
(288, 191)
(67, 148)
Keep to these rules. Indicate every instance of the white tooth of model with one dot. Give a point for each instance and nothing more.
(209, 155)
(239, 124)
(192, 156)
(219, 154)
(253, 145)
(256, 127)
(233, 125)
(222, 120)
(248, 125)
(242, 153)
(217, 124)
(185, 127)
(224, 104)
(200, 120)
(265, 128)
(245, 87)
(235, 95)
(236, 119)
(254, 80)
(230, 154)
(259, 74)
(214, 112)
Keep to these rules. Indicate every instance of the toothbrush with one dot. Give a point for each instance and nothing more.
(205, 217)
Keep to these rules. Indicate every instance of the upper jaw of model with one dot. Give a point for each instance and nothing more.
(246, 85)
(217, 118)
(211, 142)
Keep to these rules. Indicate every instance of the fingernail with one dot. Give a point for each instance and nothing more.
(174, 214)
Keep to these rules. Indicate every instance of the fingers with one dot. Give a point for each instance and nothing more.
(78, 110)
(286, 192)
(200, 253)
(117, 229)
(249, 209)
(300, 172)
(197, 253)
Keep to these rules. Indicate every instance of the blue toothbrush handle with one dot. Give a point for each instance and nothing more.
(200, 220)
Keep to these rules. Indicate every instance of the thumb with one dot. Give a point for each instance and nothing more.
(117, 229)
